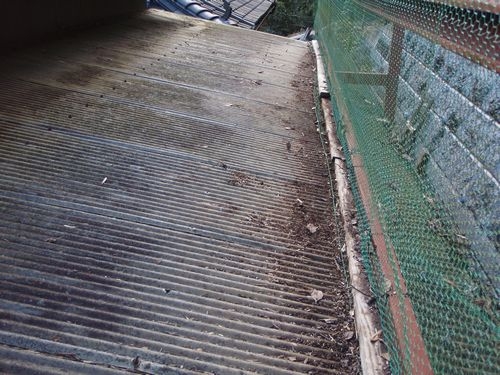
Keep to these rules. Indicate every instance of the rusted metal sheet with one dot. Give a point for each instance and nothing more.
(157, 179)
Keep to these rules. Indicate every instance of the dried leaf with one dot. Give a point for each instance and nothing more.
(312, 228)
(329, 321)
(377, 336)
(386, 356)
(316, 295)
(348, 335)
(387, 285)
(293, 359)
(104, 180)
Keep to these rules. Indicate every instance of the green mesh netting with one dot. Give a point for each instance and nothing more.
(416, 96)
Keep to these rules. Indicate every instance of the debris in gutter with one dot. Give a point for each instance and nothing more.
(348, 335)
(312, 228)
(136, 362)
(377, 336)
(316, 295)
(329, 321)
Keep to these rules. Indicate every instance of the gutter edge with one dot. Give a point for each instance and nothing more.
(366, 319)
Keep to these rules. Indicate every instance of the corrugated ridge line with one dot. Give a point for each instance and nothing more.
(321, 253)
(304, 258)
(201, 287)
(19, 83)
(260, 128)
(261, 194)
(151, 333)
(258, 165)
(270, 76)
(203, 156)
(212, 36)
(116, 200)
(169, 53)
(147, 58)
(112, 332)
(277, 149)
(263, 138)
(209, 38)
(84, 247)
(196, 197)
(178, 273)
(174, 318)
(115, 76)
(202, 231)
(64, 141)
(307, 262)
(244, 308)
(119, 209)
(122, 361)
(23, 324)
(98, 86)
(210, 170)
(308, 259)
(236, 318)
(27, 362)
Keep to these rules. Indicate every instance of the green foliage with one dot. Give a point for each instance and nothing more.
(290, 16)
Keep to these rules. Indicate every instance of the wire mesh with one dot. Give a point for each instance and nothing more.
(416, 97)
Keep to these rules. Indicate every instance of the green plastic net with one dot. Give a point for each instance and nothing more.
(416, 98)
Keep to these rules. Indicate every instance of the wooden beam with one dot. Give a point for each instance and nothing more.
(408, 335)
(324, 91)
(366, 320)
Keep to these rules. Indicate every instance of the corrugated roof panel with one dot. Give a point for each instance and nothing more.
(150, 177)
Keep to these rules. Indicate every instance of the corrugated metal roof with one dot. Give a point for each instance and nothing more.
(150, 176)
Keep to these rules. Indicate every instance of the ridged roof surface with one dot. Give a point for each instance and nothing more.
(158, 176)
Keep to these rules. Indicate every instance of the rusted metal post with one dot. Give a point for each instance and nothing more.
(391, 90)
